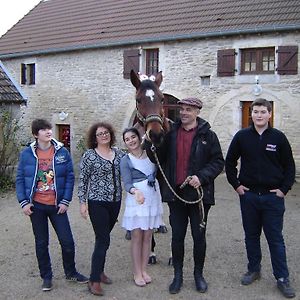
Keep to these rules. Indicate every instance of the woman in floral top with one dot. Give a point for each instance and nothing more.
(100, 192)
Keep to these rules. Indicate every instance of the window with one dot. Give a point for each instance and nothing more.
(171, 107)
(246, 114)
(205, 80)
(28, 74)
(258, 61)
(152, 66)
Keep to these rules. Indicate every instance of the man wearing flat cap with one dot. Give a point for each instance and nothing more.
(190, 150)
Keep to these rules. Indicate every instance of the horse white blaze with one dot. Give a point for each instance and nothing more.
(150, 94)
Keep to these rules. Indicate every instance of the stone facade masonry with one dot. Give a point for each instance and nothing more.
(89, 86)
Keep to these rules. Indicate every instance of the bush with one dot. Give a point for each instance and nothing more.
(9, 148)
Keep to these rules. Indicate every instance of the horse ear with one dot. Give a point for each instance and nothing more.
(159, 78)
(135, 80)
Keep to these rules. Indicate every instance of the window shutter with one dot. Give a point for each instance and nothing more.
(131, 61)
(287, 60)
(226, 62)
(23, 74)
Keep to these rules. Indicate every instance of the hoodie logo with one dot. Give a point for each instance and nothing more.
(271, 147)
(60, 159)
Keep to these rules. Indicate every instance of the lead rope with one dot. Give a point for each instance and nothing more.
(186, 181)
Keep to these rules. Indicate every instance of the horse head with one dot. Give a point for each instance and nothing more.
(149, 105)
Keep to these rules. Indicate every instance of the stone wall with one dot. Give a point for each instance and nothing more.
(89, 86)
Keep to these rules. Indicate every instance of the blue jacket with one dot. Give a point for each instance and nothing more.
(27, 174)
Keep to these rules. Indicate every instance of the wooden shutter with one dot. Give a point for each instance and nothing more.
(226, 62)
(287, 60)
(23, 74)
(31, 73)
(131, 61)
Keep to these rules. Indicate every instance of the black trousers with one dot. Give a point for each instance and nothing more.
(180, 215)
(103, 216)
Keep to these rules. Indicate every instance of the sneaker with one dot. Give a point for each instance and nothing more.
(284, 287)
(77, 277)
(250, 277)
(47, 285)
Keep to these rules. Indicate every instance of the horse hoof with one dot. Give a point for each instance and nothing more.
(163, 229)
(152, 260)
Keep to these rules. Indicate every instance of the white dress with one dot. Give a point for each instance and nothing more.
(149, 214)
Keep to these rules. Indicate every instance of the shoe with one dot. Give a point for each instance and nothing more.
(152, 259)
(77, 277)
(147, 278)
(128, 235)
(47, 285)
(105, 279)
(284, 287)
(176, 284)
(95, 288)
(162, 229)
(139, 282)
(201, 285)
(250, 277)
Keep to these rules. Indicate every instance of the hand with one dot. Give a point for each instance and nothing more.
(139, 197)
(83, 210)
(241, 190)
(62, 208)
(194, 182)
(278, 192)
(27, 209)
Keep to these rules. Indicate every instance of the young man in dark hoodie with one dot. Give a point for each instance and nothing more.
(267, 173)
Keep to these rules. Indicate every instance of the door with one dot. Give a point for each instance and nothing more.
(64, 135)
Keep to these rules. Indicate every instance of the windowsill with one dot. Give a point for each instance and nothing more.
(263, 78)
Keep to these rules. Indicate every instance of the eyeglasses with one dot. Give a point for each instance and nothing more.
(104, 133)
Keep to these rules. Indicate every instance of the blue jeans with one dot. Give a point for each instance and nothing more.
(61, 225)
(264, 212)
(103, 217)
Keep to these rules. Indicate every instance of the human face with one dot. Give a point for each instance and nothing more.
(102, 135)
(188, 115)
(44, 136)
(132, 141)
(260, 116)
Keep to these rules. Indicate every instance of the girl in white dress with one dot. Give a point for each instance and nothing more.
(143, 206)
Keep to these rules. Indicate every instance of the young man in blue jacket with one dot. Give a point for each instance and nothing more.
(44, 185)
(267, 173)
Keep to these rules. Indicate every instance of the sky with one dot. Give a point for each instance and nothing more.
(12, 11)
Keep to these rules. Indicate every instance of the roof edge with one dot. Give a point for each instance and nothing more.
(17, 86)
(266, 29)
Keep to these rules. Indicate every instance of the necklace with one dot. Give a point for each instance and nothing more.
(138, 156)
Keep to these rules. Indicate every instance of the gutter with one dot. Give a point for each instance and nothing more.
(197, 35)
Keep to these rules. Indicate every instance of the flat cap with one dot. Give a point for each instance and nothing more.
(191, 101)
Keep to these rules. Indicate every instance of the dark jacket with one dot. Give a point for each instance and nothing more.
(27, 174)
(206, 160)
(266, 160)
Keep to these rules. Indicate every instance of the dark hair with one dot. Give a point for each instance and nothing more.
(38, 124)
(261, 102)
(131, 129)
(91, 135)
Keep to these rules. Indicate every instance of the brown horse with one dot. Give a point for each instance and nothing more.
(149, 107)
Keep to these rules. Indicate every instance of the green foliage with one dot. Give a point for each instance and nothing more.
(9, 147)
(81, 145)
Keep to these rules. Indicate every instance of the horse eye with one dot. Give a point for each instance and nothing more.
(162, 100)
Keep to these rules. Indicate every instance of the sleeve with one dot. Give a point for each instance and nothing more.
(20, 182)
(84, 177)
(232, 157)
(215, 164)
(126, 173)
(70, 180)
(288, 164)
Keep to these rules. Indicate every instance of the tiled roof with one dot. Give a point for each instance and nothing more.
(9, 91)
(62, 25)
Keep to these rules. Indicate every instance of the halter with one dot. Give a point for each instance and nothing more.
(149, 118)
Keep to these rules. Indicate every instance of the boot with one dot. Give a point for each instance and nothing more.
(201, 285)
(176, 284)
(95, 288)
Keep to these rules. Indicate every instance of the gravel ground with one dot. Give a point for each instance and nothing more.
(226, 259)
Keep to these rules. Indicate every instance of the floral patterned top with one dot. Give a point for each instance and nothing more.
(99, 178)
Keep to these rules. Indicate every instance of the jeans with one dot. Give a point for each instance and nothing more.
(264, 212)
(103, 216)
(61, 225)
(179, 215)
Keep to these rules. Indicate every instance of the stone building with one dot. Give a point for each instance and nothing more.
(73, 57)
